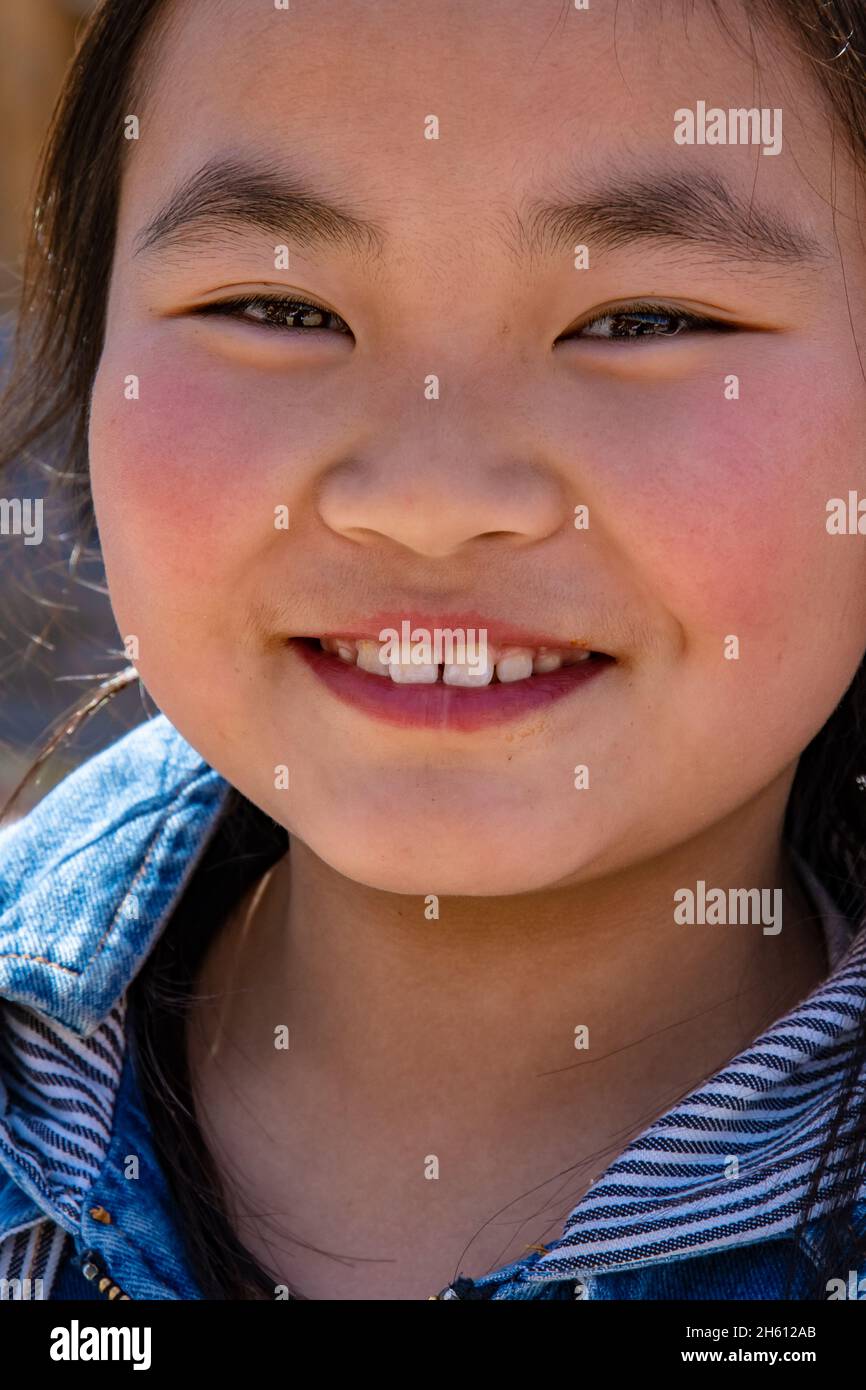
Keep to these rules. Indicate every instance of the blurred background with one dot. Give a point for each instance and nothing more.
(56, 627)
(37, 39)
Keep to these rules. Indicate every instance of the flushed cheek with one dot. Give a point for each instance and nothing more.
(725, 515)
(185, 480)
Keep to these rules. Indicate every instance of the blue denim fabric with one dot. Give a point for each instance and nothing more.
(87, 883)
(142, 1249)
(88, 878)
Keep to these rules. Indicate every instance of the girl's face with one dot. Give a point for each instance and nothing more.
(706, 457)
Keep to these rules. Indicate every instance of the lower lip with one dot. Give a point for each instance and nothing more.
(440, 706)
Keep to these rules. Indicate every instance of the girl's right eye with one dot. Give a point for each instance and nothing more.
(277, 312)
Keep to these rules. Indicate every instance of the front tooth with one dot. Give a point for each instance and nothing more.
(461, 674)
(408, 674)
(515, 664)
(369, 660)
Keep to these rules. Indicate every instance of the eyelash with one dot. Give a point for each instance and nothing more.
(647, 311)
(640, 313)
(232, 308)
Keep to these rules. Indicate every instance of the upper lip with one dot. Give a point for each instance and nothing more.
(497, 632)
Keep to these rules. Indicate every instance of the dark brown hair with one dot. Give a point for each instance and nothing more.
(58, 343)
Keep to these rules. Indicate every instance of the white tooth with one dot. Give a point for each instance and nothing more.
(460, 673)
(546, 661)
(343, 647)
(409, 674)
(368, 658)
(346, 650)
(515, 664)
(571, 658)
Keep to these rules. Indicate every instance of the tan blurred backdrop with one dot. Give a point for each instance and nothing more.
(36, 42)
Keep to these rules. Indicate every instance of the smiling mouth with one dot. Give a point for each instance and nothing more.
(466, 696)
(498, 664)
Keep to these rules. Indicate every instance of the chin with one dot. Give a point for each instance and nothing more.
(417, 866)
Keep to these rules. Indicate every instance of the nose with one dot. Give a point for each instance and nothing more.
(434, 492)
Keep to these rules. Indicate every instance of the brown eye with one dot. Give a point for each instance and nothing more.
(278, 312)
(646, 321)
(635, 326)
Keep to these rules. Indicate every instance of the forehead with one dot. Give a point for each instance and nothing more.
(525, 95)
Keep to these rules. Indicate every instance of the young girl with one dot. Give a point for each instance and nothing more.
(471, 404)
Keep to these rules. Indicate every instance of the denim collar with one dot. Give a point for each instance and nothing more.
(89, 877)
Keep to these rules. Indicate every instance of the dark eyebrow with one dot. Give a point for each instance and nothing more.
(228, 196)
(698, 209)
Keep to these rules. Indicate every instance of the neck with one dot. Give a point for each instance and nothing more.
(521, 1042)
(380, 992)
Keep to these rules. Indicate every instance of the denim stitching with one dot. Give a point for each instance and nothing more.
(157, 835)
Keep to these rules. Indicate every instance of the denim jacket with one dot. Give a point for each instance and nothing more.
(701, 1205)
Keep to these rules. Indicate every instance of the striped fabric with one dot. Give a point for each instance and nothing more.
(29, 1260)
(732, 1161)
(60, 1091)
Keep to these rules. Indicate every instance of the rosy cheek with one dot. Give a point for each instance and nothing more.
(728, 509)
(178, 473)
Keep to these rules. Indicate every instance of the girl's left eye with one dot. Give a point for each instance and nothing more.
(646, 321)
(278, 312)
